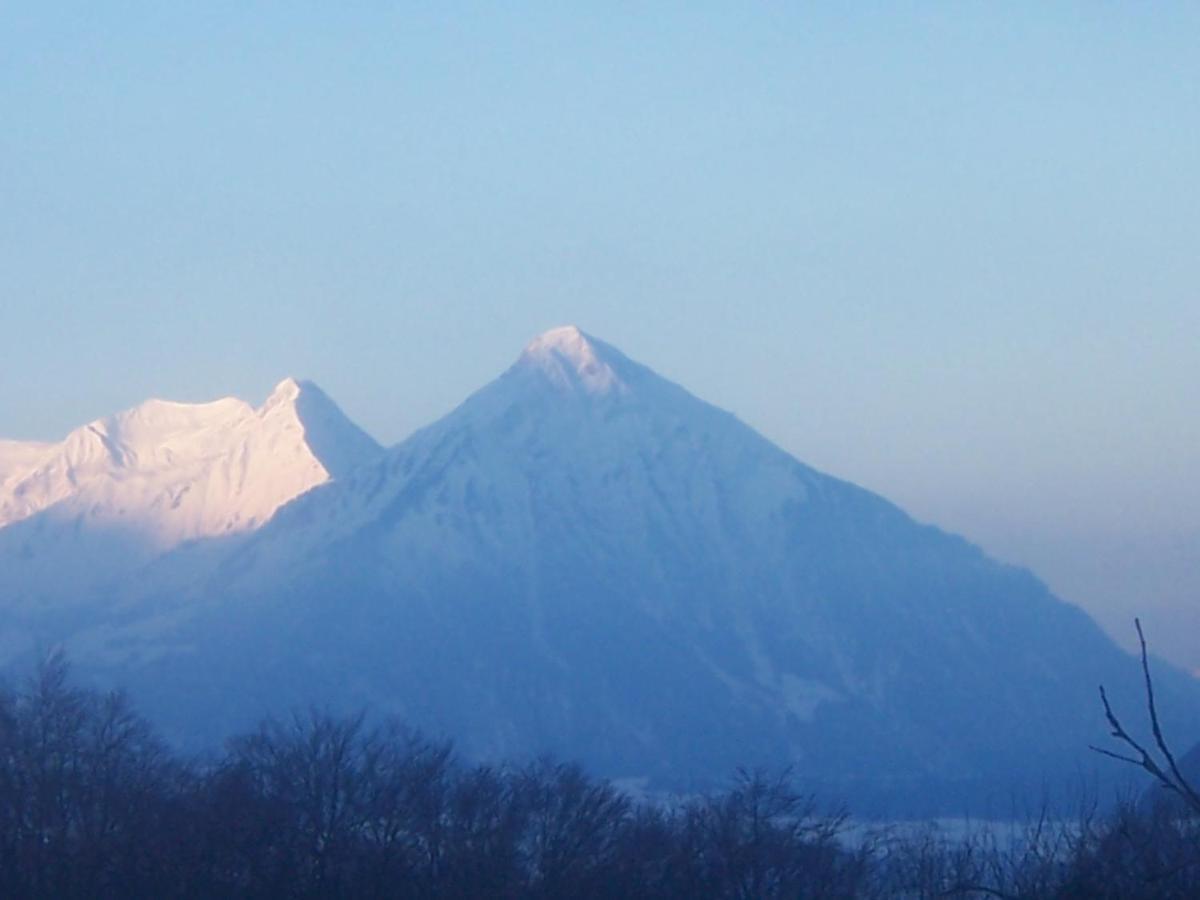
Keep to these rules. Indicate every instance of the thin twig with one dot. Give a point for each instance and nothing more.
(1102, 751)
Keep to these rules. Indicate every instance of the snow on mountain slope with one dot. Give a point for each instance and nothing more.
(585, 559)
(571, 409)
(17, 460)
(122, 490)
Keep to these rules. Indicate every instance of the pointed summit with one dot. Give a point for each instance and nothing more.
(566, 340)
(564, 373)
(339, 444)
(573, 360)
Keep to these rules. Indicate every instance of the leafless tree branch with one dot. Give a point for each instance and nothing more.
(1181, 783)
(1170, 778)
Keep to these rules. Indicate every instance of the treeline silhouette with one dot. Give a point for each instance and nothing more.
(93, 804)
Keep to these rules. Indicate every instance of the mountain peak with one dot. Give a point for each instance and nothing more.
(337, 442)
(287, 391)
(170, 471)
(563, 337)
(572, 359)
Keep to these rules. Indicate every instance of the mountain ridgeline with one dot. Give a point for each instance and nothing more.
(581, 559)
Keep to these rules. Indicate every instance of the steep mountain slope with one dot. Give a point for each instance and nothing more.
(121, 491)
(585, 559)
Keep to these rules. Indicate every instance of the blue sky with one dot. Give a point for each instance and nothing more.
(947, 251)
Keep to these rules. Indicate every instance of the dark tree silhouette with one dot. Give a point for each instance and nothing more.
(317, 805)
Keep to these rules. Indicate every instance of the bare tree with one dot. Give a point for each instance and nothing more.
(1165, 770)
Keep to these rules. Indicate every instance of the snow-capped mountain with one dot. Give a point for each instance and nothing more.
(121, 491)
(585, 559)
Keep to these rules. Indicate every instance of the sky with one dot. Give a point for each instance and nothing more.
(950, 252)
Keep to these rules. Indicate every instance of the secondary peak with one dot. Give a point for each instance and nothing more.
(287, 391)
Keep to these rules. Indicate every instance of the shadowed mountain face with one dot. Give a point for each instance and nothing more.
(585, 559)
